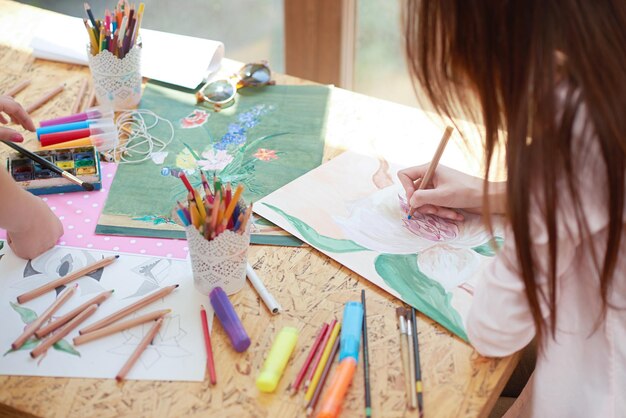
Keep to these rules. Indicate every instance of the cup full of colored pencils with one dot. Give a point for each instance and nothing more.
(216, 221)
(114, 52)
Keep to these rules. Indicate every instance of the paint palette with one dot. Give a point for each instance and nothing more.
(82, 162)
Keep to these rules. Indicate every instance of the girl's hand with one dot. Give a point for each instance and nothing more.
(12, 109)
(449, 190)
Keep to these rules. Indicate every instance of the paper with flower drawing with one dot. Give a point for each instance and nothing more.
(270, 136)
(344, 210)
(177, 352)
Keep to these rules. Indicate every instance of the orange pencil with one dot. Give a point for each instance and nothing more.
(207, 344)
(120, 326)
(79, 96)
(233, 202)
(139, 350)
(44, 99)
(214, 212)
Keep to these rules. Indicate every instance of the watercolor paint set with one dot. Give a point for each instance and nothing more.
(81, 162)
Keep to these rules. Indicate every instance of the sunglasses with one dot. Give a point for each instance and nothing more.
(221, 93)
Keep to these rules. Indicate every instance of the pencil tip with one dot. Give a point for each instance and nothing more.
(117, 256)
(409, 217)
(176, 285)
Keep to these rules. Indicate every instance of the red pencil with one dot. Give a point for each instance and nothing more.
(318, 355)
(307, 362)
(183, 177)
(207, 343)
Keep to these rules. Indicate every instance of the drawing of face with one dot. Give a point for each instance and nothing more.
(444, 247)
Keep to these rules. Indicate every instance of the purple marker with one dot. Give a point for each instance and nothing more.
(229, 320)
(89, 114)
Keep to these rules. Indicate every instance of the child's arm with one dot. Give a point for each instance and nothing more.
(31, 226)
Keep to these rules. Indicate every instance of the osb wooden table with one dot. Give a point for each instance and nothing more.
(311, 287)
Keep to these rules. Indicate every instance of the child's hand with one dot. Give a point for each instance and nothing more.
(12, 109)
(448, 190)
(40, 234)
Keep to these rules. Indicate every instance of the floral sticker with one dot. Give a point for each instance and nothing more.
(263, 154)
(195, 119)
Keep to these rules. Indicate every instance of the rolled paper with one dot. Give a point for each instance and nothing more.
(277, 359)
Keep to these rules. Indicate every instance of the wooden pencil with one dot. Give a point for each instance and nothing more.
(147, 339)
(79, 97)
(318, 355)
(12, 92)
(366, 361)
(434, 162)
(307, 362)
(66, 329)
(334, 335)
(129, 309)
(59, 322)
(120, 326)
(32, 294)
(418, 369)
(320, 386)
(207, 344)
(44, 99)
(91, 99)
(31, 328)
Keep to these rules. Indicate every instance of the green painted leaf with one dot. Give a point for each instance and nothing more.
(193, 153)
(317, 240)
(1, 245)
(401, 272)
(489, 248)
(28, 345)
(27, 315)
(253, 144)
(65, 347)
(263, 221)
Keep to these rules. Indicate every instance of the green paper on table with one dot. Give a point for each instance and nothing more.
(267, 138)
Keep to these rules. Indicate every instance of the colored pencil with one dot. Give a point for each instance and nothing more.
(366, 361)
(153, 297)
(30, 295)
(295, 386)
(12, 92)
(183, 177)
(318, 354)
(233, 201)
(91, 99)
(79, 97)
(44, 99)
(320, 368)
(434, 162)
(59, 322)
(147, 339)
(320, 387)
(210, 362)
(418, 370)
(90, 15)
(31, 328)
(120, 326)
(60, 334)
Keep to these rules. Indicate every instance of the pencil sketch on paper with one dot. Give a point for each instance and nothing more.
(427, 261)
(166, 344)
(154, 271)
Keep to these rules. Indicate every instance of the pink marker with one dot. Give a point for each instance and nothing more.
(89, 114)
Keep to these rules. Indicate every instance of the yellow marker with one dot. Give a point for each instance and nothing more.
(320, 367)
(277, 359)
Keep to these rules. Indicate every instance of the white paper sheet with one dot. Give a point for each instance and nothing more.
(176, 59)
(177, 353)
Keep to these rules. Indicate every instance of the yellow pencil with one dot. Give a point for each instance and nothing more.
(92, 38)
(233, 202)
(200, 204)
(195, 215)
(320, 367)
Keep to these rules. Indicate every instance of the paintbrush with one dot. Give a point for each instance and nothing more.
(404, 345)
(50, 166)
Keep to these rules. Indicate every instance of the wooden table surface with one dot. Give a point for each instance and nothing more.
(311, 288)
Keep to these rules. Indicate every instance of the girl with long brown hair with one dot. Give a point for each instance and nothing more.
(547, 80)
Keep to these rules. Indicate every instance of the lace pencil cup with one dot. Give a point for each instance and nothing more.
(117, 81)
(218, 262)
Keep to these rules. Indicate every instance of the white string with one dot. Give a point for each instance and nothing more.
(141, 144)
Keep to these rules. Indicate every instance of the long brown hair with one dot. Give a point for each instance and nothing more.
(507, 59)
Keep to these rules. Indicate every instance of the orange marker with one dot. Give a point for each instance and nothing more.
(333, 398)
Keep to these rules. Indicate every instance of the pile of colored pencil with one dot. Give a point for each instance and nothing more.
(117, 32)
(219, 210)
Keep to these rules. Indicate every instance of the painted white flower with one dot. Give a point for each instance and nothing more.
(379, 222)
(215, 160)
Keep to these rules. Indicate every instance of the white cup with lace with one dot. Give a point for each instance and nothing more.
(220, 261)
(117, 81)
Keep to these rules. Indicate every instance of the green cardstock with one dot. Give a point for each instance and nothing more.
(267, 138)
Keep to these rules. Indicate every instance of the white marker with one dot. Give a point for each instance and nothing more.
(266, 296)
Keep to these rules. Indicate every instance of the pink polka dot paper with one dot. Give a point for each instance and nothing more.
(79, 213)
